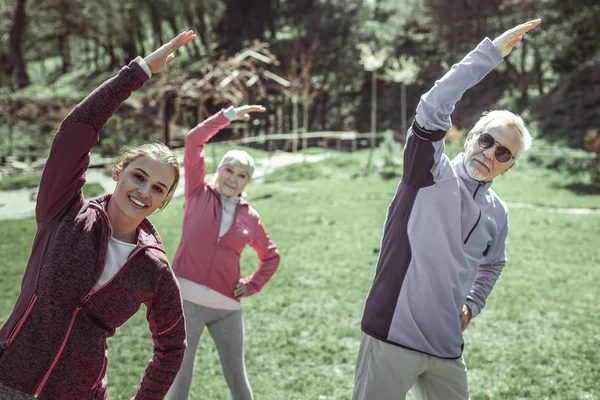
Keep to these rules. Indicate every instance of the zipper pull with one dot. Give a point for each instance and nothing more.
(84, 300)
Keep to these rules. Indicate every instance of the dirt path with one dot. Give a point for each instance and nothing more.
(559, 210)
(17, 204)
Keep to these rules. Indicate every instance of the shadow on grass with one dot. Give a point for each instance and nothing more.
(583, 188)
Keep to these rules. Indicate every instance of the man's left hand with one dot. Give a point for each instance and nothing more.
(465, 317)
(509, 39)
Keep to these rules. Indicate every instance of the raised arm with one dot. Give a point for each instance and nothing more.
(64, 172)
(193, 162)
(425, 146)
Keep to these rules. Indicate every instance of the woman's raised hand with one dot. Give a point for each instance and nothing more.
(509, 39)
(243, 112)
(158, 60)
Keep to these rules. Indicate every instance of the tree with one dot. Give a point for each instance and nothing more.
(402, 70)
(16, 44)
(570, 108)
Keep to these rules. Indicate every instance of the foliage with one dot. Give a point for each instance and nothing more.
(392, 157)
(31, 181)
(550, 77)
(118, 132)
(20, 182)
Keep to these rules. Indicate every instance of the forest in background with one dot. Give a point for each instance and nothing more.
(320, 60)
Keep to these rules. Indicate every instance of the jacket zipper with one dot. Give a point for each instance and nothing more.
(477, 190)
(79, 307)
(478, 218)
(473, 228)
(82, 303)
(102, 371)
(17, 327)
(63, 345)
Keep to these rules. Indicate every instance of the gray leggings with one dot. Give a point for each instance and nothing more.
(227, 330)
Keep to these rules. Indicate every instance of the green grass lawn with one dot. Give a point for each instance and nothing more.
(536, 339)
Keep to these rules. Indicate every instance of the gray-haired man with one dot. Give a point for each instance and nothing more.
(443, 246)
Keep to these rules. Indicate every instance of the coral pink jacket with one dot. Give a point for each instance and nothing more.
(202, 257)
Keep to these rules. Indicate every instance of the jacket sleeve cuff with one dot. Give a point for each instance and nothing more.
(230, 114)
(142, 63)
(475, 310)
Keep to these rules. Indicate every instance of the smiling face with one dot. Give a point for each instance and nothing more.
(142, 187)
(232, 179)
(481, 164)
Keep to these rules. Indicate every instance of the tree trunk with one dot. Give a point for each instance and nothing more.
(295, 123)
(523, 101)
(373, 107)
(403, 127)
(173, 24)
(189, 15)
(65, 54)
(324, 105)
(140, 41)
(155, 22)
(203, 28)
(96, 54)
(16, 40)
(63, 37)
(538, 70)
(128, 43)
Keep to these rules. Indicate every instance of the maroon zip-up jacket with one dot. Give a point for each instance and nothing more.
(53, 345)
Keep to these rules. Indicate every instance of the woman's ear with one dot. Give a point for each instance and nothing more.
(116, 174)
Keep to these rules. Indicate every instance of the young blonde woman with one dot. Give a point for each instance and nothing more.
(93, 263)
(218, 223)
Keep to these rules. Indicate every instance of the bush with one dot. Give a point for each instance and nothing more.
(92, 190)
(391, 152)
(118, 133)
(20, 182)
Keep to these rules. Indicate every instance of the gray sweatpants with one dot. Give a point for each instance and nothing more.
(227, 330)
(388, 372)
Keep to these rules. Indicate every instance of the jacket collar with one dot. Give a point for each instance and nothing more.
(147, 233)
(472, 185)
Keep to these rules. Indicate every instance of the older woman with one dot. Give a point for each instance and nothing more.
(218, 223)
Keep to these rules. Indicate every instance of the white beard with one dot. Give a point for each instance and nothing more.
(474, 172)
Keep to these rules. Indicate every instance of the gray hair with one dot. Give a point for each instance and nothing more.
(504, 118)
(238, 157)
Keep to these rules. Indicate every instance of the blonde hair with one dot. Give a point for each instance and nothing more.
(504, 118)
(157, 151)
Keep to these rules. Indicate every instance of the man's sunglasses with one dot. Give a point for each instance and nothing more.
(502, 154)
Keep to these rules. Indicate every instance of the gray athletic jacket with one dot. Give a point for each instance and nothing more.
(445, 233)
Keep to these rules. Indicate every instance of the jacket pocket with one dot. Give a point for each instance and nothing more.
(100, 377)
(19, 324)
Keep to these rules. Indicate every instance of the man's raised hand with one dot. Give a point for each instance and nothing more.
(509, 39)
